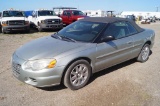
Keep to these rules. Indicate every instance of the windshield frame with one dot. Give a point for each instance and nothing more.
(40, 13)
(13, 13)
(82, 37)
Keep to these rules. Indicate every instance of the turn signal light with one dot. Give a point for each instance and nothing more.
(52, 64)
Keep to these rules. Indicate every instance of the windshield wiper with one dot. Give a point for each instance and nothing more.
(55, 35)
(67, 38)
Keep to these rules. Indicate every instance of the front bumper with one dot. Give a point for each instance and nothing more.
(51, 26)
(16, 27)
(42, 78)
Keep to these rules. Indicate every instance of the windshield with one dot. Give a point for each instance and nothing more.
(77, 13)
(13, 14)
(46, 13)
(82, 31)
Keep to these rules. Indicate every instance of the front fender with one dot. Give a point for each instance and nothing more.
(65, 60)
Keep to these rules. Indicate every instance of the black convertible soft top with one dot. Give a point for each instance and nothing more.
(112, 20)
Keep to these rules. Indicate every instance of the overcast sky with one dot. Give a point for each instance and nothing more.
(115, 5)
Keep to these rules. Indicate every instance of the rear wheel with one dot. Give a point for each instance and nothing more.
(77, 75)
(144, 54)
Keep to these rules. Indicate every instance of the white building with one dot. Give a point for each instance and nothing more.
(95, 13)
(140, 13)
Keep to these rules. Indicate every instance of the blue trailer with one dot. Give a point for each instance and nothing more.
(28, 13)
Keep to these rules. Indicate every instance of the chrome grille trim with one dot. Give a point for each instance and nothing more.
(53, 21)
(16, 67)
(16, 22)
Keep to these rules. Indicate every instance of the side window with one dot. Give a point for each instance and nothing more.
(65, 13)
(117, 30)
(5, 14)
(75, 12)
(68, 13)
(131, 29)
(110, 31)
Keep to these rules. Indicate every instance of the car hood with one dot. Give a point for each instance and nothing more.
(13, 18)
(45, 47)
(48, 17)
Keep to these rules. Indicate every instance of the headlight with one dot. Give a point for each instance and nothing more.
(42, 21)
(4, 23)
(36, 65)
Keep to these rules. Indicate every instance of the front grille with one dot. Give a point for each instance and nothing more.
(53, 21)
(16, 22)
(16, 67)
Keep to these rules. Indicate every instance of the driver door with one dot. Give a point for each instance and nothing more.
(66, 17)
(116, 51)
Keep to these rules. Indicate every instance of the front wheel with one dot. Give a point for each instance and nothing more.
(3, 31)
(27, 31)
(39, 28)
(144, 54)
(77, 75)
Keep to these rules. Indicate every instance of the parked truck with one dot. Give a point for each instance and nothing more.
(45, 19)
(69, 14)
(13, 20)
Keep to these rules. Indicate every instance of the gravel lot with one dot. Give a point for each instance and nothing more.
(129, 83)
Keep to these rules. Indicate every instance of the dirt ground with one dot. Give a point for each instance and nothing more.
(126, 84)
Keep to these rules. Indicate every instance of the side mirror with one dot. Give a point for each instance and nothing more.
(107, 38)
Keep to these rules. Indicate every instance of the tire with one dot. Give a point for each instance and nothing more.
(3, 31)
(31, 26)
(77, 75)
(27, 31)
(39, 28)
(144, 54)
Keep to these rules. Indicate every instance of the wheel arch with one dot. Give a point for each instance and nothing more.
(79, 58)
(139, 58)
(148, 42)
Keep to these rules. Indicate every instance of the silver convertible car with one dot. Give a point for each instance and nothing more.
(84, 47)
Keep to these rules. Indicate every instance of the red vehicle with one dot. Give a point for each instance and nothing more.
(70, 15)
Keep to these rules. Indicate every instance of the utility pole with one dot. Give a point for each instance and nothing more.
(157, 8)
